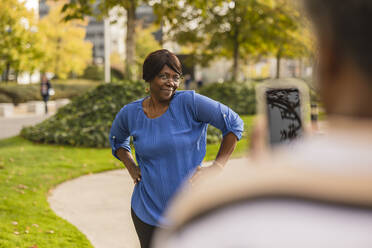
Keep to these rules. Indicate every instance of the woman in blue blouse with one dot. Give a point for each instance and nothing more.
(169, 131)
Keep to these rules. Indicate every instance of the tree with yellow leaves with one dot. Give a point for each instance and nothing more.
(65, 50)
(19, 50)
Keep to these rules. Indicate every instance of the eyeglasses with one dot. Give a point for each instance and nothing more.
(166, 77)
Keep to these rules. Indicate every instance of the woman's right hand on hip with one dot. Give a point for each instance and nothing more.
(135, 173)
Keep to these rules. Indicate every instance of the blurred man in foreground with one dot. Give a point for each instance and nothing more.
(318, 193)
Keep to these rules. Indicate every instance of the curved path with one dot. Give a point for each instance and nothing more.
(11, 126)
(99, 206)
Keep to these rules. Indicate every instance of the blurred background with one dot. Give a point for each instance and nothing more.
(217, 41)
(92, 54)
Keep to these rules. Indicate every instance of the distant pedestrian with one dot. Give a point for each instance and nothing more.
(187, 81)
(200, 83)
(45, 88)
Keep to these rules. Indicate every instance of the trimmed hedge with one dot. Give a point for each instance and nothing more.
(94, 72)
(86, 121)
(16, 93)
(240, 97)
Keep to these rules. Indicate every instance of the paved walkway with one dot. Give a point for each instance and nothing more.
(11, 126)
(99, 206)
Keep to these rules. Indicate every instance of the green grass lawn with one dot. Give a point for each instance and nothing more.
(29, 171)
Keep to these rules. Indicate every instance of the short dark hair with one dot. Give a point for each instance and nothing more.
(349, 23)
(155, 62)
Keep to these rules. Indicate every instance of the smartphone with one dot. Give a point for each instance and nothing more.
(284, 118)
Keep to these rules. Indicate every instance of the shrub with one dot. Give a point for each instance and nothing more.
(214, 135)
(86, 121)
(16, 93)
(70, 91)
(240, 97)
(8, 96)
(5, 98)
(93, 72)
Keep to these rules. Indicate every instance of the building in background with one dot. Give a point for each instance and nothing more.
(43, 8)
(217, 71)
(95, 29)
(146, 17)
(95, 33)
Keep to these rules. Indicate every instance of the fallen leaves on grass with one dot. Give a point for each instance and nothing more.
(20, 191)
(21, 186)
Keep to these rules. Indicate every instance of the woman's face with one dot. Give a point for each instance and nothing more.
(164, 85)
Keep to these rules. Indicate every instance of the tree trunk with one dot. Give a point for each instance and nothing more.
(130, 40)
(7, 71)
(161, 42)
(236, 62)
(235, 72)
(278, 58)
(58, 49)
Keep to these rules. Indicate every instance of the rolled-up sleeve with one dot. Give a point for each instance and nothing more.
(119, 133)
(218, 115)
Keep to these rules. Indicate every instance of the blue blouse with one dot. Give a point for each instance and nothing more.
(170, 147)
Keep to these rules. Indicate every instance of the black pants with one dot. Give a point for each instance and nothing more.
(144, 230)
(45, 99)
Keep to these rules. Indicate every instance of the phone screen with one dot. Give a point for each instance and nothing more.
(284, 115)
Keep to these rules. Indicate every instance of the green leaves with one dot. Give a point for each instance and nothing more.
(239, 30)
(87, 120)
(240, 97)
(15, 93)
